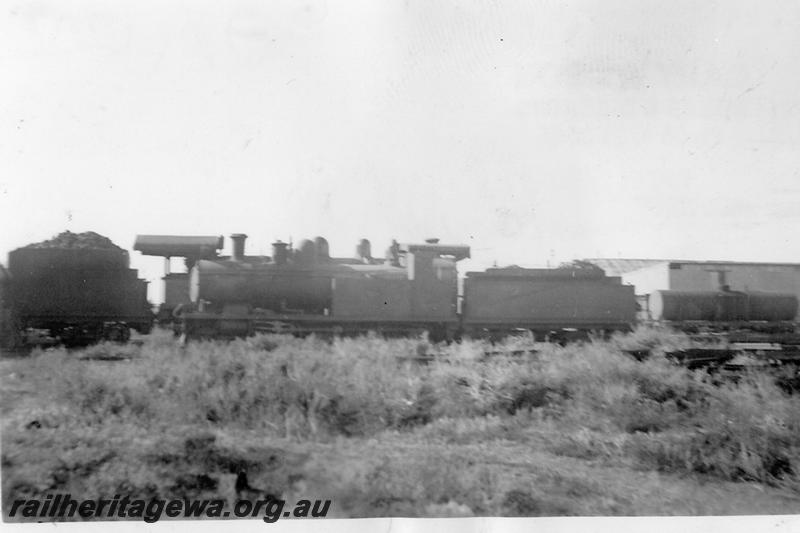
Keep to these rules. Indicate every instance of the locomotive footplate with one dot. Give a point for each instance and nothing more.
(213, 325)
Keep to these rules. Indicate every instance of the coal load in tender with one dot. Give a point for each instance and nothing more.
(74, 285)
(88, 251)
(67, 240)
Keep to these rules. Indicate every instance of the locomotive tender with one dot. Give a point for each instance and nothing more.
(76, 287)
(414, 289)
(547, 300)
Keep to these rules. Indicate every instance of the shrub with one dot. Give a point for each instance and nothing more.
(654, 338)
(584, 443)
(605, 403)
(748, 431)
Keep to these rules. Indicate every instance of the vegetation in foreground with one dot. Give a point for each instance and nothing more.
(576, 430)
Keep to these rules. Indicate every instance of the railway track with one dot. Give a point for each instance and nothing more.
(488, 355)
(758, 355)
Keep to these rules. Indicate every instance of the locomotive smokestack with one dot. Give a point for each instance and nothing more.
(279, 252)
(237, 253)
(364, 251)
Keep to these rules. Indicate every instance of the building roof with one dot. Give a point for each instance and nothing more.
(619, 266)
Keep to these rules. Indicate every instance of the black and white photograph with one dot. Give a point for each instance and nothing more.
(438, 264)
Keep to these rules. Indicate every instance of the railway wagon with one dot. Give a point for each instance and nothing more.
(737, 316)
(77, 287)
(722, 306)
(548, 302)
(307, 291)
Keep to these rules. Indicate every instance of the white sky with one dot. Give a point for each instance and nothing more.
(533, 131)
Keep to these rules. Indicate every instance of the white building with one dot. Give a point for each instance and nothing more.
(648, 275)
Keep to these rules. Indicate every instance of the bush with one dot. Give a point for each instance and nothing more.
(605, 404)
(654, 338)
(747, 431)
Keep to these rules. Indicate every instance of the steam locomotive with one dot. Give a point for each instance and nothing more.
(414, 288)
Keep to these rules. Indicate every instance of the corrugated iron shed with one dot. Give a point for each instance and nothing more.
(617, 267)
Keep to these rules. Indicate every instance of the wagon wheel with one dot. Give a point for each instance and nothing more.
(118, 332)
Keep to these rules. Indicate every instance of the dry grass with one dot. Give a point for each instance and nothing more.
(161, 419)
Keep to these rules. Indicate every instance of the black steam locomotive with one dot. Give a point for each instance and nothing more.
(414, 288)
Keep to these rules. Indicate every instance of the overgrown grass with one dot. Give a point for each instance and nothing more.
(655, 338)
(151, 418)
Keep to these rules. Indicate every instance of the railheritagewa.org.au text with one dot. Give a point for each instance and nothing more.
(63, 506)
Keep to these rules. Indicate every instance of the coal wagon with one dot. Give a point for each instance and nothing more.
(76, 288)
